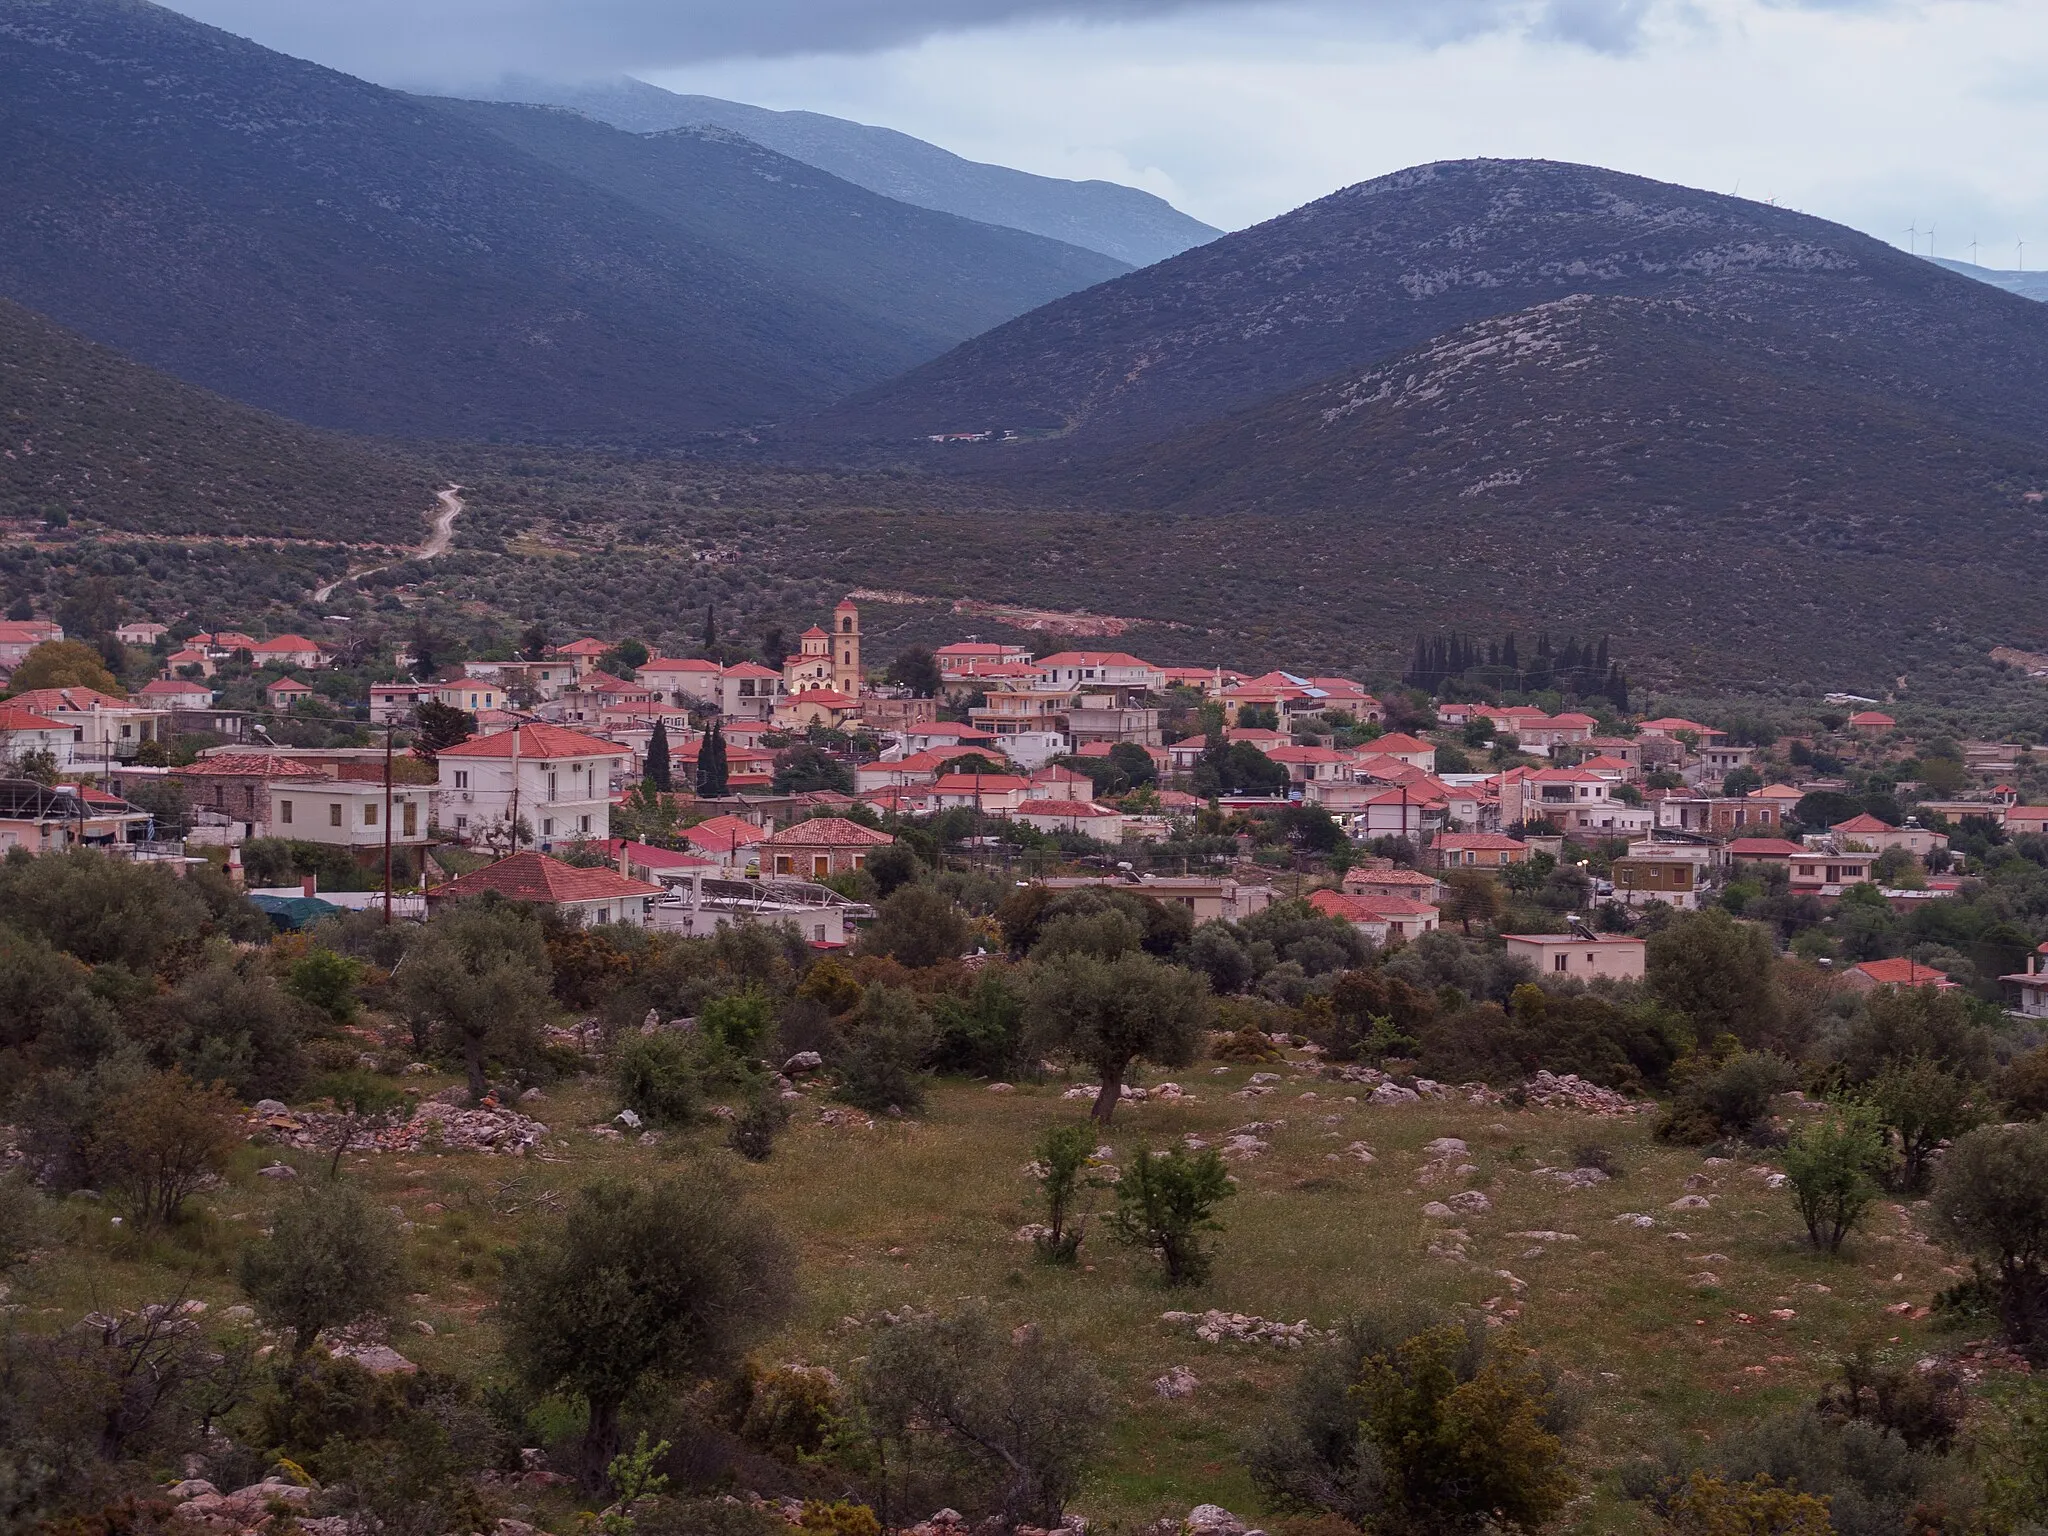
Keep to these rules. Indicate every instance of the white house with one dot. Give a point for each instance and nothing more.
(556, 780)
(347, 813)
(1067, 670)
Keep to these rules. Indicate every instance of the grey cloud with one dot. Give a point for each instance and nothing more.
(450, 41)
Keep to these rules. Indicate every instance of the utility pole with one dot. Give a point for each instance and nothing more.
(387, 824)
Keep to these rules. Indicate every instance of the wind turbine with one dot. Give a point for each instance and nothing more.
(2023, 255)
(1913, 239)
(1973, 253)
(1930, 242)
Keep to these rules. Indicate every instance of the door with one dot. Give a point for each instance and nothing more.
(412, 819)
(821, 865)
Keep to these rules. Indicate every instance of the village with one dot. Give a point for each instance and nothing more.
(1106, 1046)
(664, 798)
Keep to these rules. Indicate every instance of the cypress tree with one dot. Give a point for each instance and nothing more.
(711, 769)
(659, 773)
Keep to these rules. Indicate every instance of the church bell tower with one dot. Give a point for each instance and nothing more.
(846, 674)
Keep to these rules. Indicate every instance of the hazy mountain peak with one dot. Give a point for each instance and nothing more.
(1133, 226)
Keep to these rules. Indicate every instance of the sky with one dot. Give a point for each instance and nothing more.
(1888, 115)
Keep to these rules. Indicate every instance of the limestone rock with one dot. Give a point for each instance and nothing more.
(1177, 1383)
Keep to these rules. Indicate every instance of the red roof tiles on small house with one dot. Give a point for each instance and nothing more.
(723, 834)
(44, 701)
(1903, 973)
(12, 719)
(536, 877)
(1863, 823)
(829, 832)
(250, 765)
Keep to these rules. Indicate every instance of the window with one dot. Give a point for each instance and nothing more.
(462, 778)
(462, 823)
(552, 783)
(1560, 962)
(284, 812)
(585, 824)
(334, 814)
(370, 813)
(818, 932)
(784, 864)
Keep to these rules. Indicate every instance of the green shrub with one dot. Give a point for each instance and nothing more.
(1833, 1164)
(324, 980)
(1165, 1201)
(658, 1078)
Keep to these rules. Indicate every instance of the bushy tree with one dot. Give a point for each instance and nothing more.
(916, 669)
(1165, 1202)
(1991, 1202)
(1713, 1506)
(1920, 1104)
(888, 1039)
(1730, 1097)
(165, 1137)
(1833, 1164)
(105, 911)
(997, 1423)
(440, 726)
(1403, 1422)
(664, 1282)
(230, 1022)
(332, 1256)
(478, 979)
(917, 927)
(1718, 973)
(64, 664)
(1900, 1025)
(1110, 1013)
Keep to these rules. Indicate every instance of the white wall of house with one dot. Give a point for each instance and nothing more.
(560, 799)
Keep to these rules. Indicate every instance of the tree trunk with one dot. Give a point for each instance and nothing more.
(600, 1446)
(1112, 1090)
(473, 1065)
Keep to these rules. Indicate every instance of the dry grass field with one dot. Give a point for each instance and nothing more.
(925, 1212)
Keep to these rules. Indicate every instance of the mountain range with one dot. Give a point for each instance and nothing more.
(1360, 277)
(2028, 285)
(1133, 226)
(355, 258)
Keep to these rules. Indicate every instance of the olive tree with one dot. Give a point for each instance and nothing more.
(1833, 1166)
(635, 1284)
(1009, 1422)
(1110, 1013)
(478, 977)
(332, 1256)
(1991, 1202)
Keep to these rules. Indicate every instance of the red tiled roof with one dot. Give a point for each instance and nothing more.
(250, 765)
(1092, 659)
(536, 877)
(582, 648)
(536, 742)
(284, 643)
(828, 832)
(282, 685)
(722, 834)
(1398, 742)
(43, 701)
(986, 783)
(1864, 823)
(1764, 847)
(12, 719)
(1390, 877)
(1872, 717)
(1480, 842)
(1063, 808)
(751, 669)
(1902, 973)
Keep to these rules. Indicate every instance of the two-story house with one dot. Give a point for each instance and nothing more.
(556, 780)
